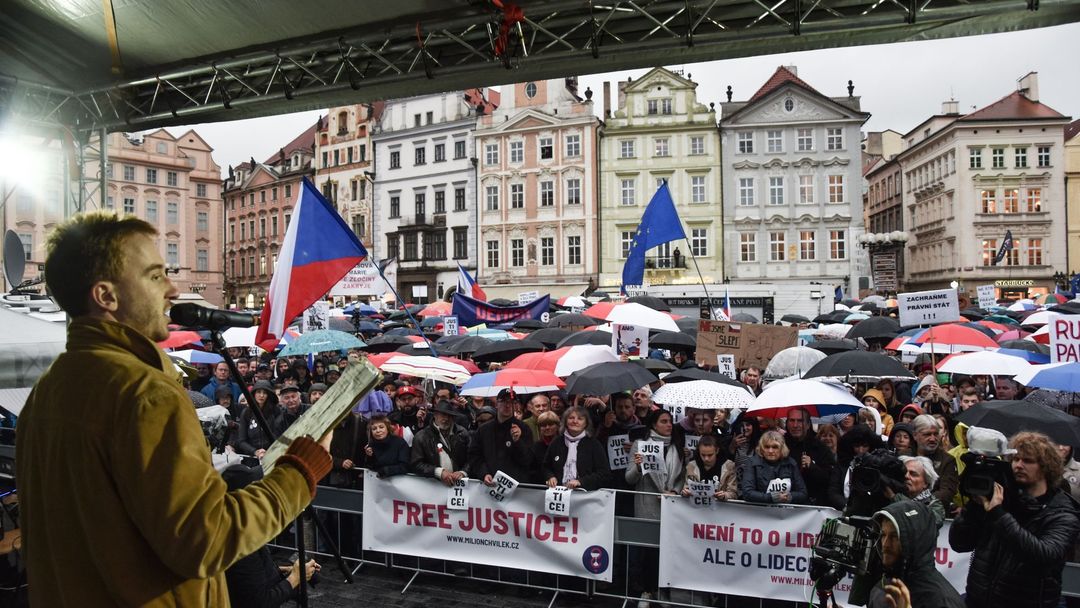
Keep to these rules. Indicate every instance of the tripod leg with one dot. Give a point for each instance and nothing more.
(334, 549)
(301, 556)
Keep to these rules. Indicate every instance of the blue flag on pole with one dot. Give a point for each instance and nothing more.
(838, 293)
(659, 224)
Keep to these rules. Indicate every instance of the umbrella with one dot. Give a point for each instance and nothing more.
(403, 331)
(850, 302)
(572, 320)
(468, 365)
(1049, 299)
(983, 363)
(420, 366)
(834, 331)
(521, 381)
(540, 360)
(998, 328)
(792, 361)
(687, 325)
(1011, 417)
(974, 314)
(530, 324)
(581, 356)
(181, 338)
(1059, 400)
(874, 298)
(1042, 336)
(505, 350)
(953, 335)
(1068, 308)
(321, 341)
(830, 347)
(549, 336)
(386, 343)
(466, 344)
(586, 337)
(1041, 317)
(239, 337)
(979, 327)
(1003, 319)
(340, 324)
(875, 328)
(1026, 355)
(491, 334)
(608, 378)
(820, 398)
(572, 302)
(599, 310)
(794, 319)
(200, 400)
(836, 316)
(1028, 345)
(742, 317)
(702, 394)
(633, 313)
(859, 365)
(1012, 334)
(1022, 305)
(696, 373)
(436, 309)
(656, 366)
(652, 302)
(673, 340)
(367, 327)
(196, 356)
(856, 317)
(1055, 376)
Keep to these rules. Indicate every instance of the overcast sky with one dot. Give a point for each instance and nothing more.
(900, 84)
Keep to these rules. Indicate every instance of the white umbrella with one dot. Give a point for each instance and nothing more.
(427, 367)
(632, 313)
(792, 361)
(1043, 317)
(240, 337)
(1033, 370)
(820, 397)
(196, 356)
(984, 363)
(1024, 304)
(582, 356)
(703, 394)
(834, 331)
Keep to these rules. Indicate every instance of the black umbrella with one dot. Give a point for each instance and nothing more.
(836, 316)
(572, 319)
(341, 324)
(656, 366)
(834, 346)
(1011, 417)
(1071, 307)
(859, 364)
(467, 344)
(974, 314)
(742, 317)
(875, 327)
(549, 336)
(502, 302)
(979, 328)
(673, 340)
(696, 373)
(200, 400)
(505, 350)
(794, 319)
(1028, 345)
(607, 378)
(385, 343)
(530, 324)
(388, 325)
(446, 340)
(402, 331)
(850, 302)
(603, 296)
(652, 302)
(688, 325)
(597, 337)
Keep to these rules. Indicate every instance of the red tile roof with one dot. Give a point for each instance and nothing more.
(304, 141)
(1072, 129)
(1013, 106)
(779, 77)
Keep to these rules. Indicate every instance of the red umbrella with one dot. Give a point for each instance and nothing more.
(994, 325)
(600, 311)
(954, 335)
(181, 338)
(468, 365)
(1012, 334)
(436, 309)
(544, 361)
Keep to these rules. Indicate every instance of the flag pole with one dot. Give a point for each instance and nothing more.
(397, 298)
(708, 298)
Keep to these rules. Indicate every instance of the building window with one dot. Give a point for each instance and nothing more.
(652, 107)
(416, 120)
(349, 155)
(273, 226)
(151, 176)
(440, 153)
(747, 247)
(975, 158)
(491, 154)
(517, 152)
(243, 231)
(626, 192)
(626, 148)
(129, 173)
(573, 250)
(989, 204)
(440, 201)
(626, 240)
(699, 242)
(774, 141)
(989, 251)
(129, 206)
(202, 221)
(461, 243)
(1020, 158)
(172, 213)
(429, 117)
(517, 252)
(491, 198)
(836, 189)
(232, 268)
(834, 138)
(806, 189)
(777, 247)
(420, 154)
(547, 193)
(326, 158)
(547, 251)
(392, 243)
(1035, 252)
(697, 188)
(697, 145)
(1011, 201)
(251, 266)
(420, 205)
(459, 199)
(837, 244)
(459, 148)
(288, 191)
(109, 203)
(805, 139)
(435, 245)
(202, 260)
(172, 254)
(573, 145)
(547, 148)
(412, 249)
(807, 245)
(776, 190)
(746, 191)
(745, 141)
(395, 159)
(395, 206)
(1044, 156)
(573, 191)
(660, 145)
(288, 218)
(997, 156)
(1034, 200)
(517, 196)
(27, 244)
(329, 193)
(172, 178)
(200, 190)
(492, 254)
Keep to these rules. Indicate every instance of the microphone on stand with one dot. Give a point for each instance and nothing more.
(193, 315)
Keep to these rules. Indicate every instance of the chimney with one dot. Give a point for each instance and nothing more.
(607, 100)
(794, 69)
(1028, 86)
(950, 107)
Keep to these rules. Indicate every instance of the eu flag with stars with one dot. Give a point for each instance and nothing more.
(660, 224)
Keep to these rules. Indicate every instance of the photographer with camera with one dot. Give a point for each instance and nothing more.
(1021, 538)
(908, 538)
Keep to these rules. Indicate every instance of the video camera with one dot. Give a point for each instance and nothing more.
(984, 465)
(844, 546)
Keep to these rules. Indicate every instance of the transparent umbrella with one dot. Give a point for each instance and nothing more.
(792, 361)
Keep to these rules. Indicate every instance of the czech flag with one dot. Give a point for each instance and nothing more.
(726, 311)
(468, 285)
(319, 249)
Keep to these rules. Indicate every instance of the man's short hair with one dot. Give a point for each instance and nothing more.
(708, 441)
(1044, 451)
(969, 392)
(84, 250)
(923, 421)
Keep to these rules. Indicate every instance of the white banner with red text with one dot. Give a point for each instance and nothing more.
(758, 550)
(409, 515)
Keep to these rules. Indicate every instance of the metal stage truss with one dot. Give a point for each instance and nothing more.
(420, 47)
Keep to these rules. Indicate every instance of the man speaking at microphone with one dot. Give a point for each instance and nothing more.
(120, 503)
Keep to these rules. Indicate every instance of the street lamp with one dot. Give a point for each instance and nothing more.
(881, 240)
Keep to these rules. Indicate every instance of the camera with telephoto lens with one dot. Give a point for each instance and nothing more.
(844, 546)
